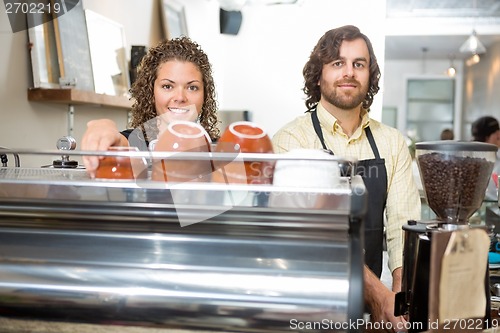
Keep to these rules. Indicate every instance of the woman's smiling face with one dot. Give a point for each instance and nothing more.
(178, 91)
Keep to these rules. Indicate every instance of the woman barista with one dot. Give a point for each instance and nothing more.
(174, 82)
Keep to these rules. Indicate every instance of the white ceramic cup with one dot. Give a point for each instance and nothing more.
(314, 170)
(308, 171)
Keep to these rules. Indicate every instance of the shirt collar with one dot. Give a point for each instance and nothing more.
(327, 119)
(331, 123)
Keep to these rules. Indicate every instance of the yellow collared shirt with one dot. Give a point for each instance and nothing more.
(403, 200)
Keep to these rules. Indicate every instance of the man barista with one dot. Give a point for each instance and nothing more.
(341, 78)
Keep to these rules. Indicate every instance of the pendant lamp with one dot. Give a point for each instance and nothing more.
(451, 71)
(473, 45)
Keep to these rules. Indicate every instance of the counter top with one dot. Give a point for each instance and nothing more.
(8, 325)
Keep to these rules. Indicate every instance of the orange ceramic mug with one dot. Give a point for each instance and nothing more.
(121, 167)
(183, 137)
(244, 137)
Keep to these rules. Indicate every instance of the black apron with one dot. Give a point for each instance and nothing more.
(374, 176)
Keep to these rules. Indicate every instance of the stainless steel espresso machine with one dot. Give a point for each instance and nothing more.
(193, 256)
(445, 283)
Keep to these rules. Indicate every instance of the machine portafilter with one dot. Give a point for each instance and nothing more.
(454, 177)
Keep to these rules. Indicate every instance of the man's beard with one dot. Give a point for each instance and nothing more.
(344, 102)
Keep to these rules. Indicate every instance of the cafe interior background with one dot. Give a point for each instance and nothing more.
(259, 68)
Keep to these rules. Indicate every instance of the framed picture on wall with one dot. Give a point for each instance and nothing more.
(174, 19)
(59, 56)
(108, 55)
(43, 52)
(73, 50)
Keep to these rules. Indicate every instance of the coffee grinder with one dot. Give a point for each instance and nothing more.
(437, 253)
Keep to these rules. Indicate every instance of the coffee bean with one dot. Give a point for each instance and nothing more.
(454, 185)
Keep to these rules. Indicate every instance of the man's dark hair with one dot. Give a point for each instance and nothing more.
(326, 51)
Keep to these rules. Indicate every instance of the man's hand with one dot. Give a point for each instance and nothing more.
(380, 301)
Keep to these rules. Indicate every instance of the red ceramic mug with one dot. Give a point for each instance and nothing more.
(121, 167)
(244, 137)
(182, 137)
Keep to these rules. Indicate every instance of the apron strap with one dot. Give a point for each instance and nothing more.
(371, 140)
(317, 129)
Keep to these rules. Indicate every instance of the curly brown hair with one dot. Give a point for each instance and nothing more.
(142, 90)
(326, 51)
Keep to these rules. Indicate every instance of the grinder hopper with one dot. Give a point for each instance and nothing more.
(455, 176)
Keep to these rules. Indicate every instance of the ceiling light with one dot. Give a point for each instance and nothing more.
(451, 71)
(474, 59)
(473, 45)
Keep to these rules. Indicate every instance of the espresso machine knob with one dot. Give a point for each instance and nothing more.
(65, 143)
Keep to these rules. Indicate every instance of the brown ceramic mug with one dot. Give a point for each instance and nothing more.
(244, 137)
(183, 137)
(121, 167)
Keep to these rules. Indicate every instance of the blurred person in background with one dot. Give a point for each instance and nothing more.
(486, 129)
(447, 134)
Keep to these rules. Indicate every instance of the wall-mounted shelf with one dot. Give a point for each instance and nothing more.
(80, 97)
(73, 97)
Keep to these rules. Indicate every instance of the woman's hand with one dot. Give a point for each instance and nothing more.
(100, 135)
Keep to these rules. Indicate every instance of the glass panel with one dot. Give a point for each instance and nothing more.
(438, 89)
(430, 107)
(390, 116)
(425, 111)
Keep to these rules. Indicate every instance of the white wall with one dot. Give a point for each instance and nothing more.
(257, 70)
(140, 18)
(260, 69)
(481, 88)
